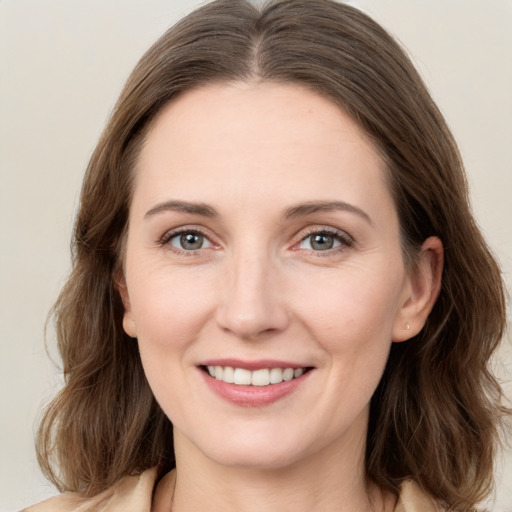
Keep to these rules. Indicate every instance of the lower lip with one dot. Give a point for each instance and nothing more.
(253, 396)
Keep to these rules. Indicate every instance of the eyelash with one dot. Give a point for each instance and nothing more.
(345, 240)
(166, 239)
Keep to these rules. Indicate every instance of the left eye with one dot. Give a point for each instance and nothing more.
(190, 241)
(320, 242)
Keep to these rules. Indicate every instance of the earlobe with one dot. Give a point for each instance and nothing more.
(128, 320)
(422, 291)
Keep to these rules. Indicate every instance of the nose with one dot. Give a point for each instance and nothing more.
(252, 299)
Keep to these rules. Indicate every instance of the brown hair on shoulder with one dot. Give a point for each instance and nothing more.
(436, 414)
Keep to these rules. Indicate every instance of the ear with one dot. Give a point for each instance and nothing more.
(421, 290)
(128, 320)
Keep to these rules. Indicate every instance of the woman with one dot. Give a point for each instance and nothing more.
(278, 287)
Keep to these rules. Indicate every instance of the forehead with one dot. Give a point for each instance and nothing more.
(246, 137)
(251, 110)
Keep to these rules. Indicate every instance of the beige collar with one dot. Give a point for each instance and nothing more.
(135, 494)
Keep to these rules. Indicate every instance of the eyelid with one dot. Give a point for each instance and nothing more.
(342, 236)
(172, 233)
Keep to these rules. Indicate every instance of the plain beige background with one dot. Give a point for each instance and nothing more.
(62, 65)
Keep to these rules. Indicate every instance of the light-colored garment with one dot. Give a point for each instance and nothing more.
(135, 494)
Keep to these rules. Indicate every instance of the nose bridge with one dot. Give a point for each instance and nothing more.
(251, 302)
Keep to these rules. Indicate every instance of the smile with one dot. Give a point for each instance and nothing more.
(260, 377)
(254, 383)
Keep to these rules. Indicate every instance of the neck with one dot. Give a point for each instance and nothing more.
(332, 479)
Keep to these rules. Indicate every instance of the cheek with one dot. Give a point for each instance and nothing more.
(170, 313)
(352, 318)
(169, 310)
(352, 308)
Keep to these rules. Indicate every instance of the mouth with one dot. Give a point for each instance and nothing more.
(254, 383)
(261, 377)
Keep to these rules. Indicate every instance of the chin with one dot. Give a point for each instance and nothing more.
(258, 452)
(257, 460)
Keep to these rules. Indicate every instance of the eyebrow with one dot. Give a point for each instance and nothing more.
(185, 207)
(309, 208)
(300, 210)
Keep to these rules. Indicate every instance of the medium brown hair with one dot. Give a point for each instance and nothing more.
(436, 412)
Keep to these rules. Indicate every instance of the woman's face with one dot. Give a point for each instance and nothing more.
(263, 246)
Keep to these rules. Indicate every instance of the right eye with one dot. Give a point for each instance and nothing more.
(189, 241)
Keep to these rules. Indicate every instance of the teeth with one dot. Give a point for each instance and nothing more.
(260, 378)
(228, 375)
(288, 374)
(263, 377)
(276, 375)
(242, 377)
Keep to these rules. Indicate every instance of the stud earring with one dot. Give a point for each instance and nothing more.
(408, 327)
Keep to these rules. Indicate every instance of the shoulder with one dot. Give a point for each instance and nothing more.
(133, 493)
(414, 499)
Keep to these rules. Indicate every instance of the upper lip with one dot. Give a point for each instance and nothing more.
(252, 365)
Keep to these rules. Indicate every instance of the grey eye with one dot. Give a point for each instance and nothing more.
(190, 241)
(320, 242)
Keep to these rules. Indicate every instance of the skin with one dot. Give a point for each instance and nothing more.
(258, 289)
